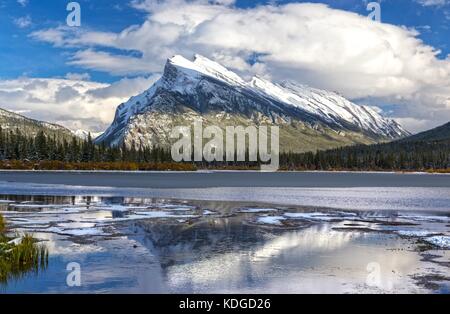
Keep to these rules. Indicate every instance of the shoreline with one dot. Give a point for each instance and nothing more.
(228, 171)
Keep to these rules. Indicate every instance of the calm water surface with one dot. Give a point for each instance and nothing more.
(235, 240)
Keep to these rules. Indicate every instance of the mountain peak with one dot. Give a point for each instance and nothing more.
(206, 89)
(202, 66)
(180, 61)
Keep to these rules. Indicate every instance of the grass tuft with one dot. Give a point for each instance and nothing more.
(2, 225)
(21, 257)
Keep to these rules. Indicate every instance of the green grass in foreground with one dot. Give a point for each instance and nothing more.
(2, 225)
(18, 258)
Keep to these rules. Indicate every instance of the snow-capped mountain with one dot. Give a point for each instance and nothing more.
(83, 134)
(309, 118)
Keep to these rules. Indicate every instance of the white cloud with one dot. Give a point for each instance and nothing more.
(78, 76)
(124, 88)
(310, 43)
(113, 64)
(23, 22)
(428, 3)
(22, 2)
(74, 103)
(54, 36)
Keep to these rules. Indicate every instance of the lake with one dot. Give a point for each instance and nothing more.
(233, 232)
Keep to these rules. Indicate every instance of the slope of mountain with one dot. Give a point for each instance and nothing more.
(441, 133)
(424, 151)
(30, 127)
(309, 119)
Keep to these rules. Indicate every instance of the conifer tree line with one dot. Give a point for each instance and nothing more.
(401, 155)
(17, 146)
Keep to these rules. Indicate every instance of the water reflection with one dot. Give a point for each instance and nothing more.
(161, 245)
(247, 259)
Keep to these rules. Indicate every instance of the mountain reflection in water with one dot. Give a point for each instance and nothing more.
(157, 245)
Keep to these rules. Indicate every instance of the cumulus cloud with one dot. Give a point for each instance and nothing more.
(107, 62)
(78, 76)
(66, 94)
(23, 22)
(310, 43)
(75, 103)
(124, 88)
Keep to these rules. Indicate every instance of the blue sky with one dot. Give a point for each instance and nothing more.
(35, 44)
(22, 56)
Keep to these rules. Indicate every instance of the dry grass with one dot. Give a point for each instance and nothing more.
(2, 225)
(439, 170)
(121, 166)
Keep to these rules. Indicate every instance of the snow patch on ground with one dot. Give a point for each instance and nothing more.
(89, 219)
(36, 206)
(155, 214)
(71, 232)
(321, 216)
(425, 218)
(270, 220)
(119, 208)
(414, 233)
(84, 232)
(176, 207)
(440, 241)
(257, 210)
(76, 225)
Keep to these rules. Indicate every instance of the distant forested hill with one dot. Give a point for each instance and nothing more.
(423, 151)
(10, 121)
(441, 133)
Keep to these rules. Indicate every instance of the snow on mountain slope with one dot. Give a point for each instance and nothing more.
(204, 85)
(329, 105)
(204, 66)
(83, 134)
